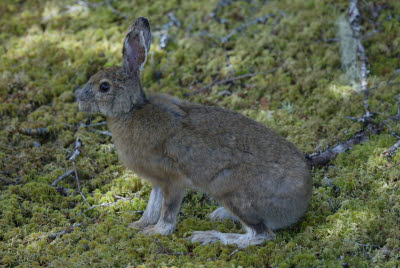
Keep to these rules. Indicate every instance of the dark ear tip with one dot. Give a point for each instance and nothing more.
(144, 20)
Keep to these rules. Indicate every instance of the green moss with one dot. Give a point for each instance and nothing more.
(50, 48)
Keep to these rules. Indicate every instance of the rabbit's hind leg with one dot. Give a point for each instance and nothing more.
(153, 210)
(221, 214)
(255, 235)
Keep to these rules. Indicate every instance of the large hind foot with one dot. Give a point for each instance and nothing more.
(241, 240)
(221, 214)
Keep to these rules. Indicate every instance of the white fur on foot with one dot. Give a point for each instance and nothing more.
(221, 214)
(159, 228)
(140, 224)
(152, 212)
(241, 240)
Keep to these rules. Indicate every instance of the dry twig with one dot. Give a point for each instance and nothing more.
(63, 176)
(66, 231)
(79, 185)
(261, 19)
(96, 206)
(76, 152)
(165, 36)
(389, 152)
(6, 182)
(96, 124)
(323, 158)
(35, 131)
(107, 3)
(216, 83)
(9, 172)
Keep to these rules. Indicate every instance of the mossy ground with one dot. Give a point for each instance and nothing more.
(49, 48)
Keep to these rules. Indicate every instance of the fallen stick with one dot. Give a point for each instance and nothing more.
(66, 231)
(389, 152)
(216, 83)
(261, 19)
(322, 159)
(35, 131)
(63, 176)
(76, 152)
(96, 124)
(6, 182)
(96, 206)
(79, 185)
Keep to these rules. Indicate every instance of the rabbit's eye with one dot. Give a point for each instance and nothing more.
(104, 87)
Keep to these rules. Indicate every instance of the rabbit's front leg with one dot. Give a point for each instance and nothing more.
(153, 209)
(166, 224)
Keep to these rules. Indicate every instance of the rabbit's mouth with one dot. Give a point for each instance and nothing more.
(85, 106)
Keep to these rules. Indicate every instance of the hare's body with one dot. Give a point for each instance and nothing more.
(239, 162)
(260, 178)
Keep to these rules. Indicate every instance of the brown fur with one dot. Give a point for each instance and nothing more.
(258, 176)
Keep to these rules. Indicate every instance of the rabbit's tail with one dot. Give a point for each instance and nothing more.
(251, 237)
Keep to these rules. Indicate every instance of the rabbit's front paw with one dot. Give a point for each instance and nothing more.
(160, 228)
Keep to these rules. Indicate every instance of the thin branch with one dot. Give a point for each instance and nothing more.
(107, 3)
(95, 206)
(133, 211)
(233, 253)
(94, 5)
(165, 36)
(104, 132)
(63, 191)
(290, 256)
(216, 83)
(323, 158)
(79, 185)
(397, 116)
(63, 176)
(66, 231)
(115, 11)
(35, 131)
(76, 152)
(6, 182)
(87, 156)
(9, 172)
(390, 81)
(96, 124)
(365, 245)
(261, 19)
(392, 132)
(333, 207)
(220, 4)
(389, 152)
(122, 198)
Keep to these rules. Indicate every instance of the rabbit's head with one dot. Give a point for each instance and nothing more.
(118, 90)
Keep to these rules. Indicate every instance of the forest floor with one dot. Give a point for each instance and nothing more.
(291, 65)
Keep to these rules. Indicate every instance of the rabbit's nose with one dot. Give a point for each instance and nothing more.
(84, 94)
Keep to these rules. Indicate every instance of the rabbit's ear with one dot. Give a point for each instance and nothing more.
(136, 45)
(142, 24)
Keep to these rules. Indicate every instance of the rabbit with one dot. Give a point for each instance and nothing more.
(260, 178)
